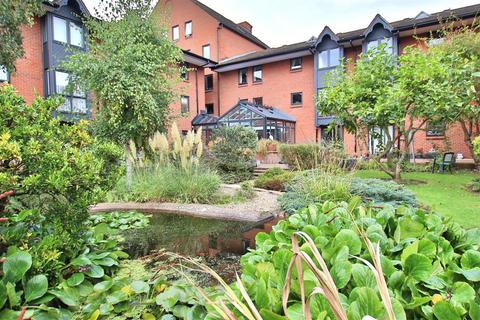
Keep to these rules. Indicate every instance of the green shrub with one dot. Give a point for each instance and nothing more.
(381, 191)
(476, 147)
(474, 186)
(274, 179)
(56, 168)
(233, 150)
(430, 264)
(169, 184)
(314, 186)
(311, 156)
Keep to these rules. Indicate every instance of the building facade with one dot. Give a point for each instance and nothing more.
(289, 78)
(228, 64)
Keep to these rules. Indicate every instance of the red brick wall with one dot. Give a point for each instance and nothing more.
(189, 88)
(28, 77)
(277, 85)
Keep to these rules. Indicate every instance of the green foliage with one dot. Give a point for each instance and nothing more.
(314, 186)
(384, 91)
(460, 53)
(429, 263)
(122, 220)
(233, 149)
(474, 186)
(381, 192)
(14, 14)
(60, 169)
(169, 183)
(132, 69)
(274, 179)
(311, 156)
(476, 146)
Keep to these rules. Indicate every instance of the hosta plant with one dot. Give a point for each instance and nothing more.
(430, 265)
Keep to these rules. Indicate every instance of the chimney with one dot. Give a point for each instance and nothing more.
(245, 25)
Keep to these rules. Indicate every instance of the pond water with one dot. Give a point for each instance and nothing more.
(188, 235)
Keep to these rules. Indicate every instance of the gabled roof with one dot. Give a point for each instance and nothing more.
(263, 111)
(411, 23)
(229, 24)
(58, 3)
(268, 53)
(378, 19)
(326, 31)
(204, 119)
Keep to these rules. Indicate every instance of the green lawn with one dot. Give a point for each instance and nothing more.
(444, 193)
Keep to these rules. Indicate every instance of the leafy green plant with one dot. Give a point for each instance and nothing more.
(122, 220)
(428, 263)
(263, 146)
(325, 156)
(314, 186)
(59, 169)
(474, 186)
(380, 192)
(274, 179)
(233, 150)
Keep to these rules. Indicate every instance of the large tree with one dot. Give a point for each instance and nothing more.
(13, 15)
(131, 67)
(384, 92)
(461, 52)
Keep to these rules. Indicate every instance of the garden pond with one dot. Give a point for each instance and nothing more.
(190, 236)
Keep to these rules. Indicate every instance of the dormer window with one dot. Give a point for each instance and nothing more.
(374, 44)
(329, 58)
(68, 32)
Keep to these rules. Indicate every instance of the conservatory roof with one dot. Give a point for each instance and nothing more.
(260, 110)
(204, 119)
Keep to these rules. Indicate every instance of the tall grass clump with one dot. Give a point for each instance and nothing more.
(313, 156)
(172, 172)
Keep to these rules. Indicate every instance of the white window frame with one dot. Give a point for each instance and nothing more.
(175, 33)
(188, 25)
(297, 67)
(240, 82)
(77, 95)
(257, 69)
(182, 104)
(206, 54)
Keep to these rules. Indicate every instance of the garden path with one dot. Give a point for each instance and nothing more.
(261, 207)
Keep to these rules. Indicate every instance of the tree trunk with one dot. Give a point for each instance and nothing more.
(468, 135)
(129, 168)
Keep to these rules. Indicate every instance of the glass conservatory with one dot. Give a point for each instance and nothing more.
(207, 122)
(268, 122)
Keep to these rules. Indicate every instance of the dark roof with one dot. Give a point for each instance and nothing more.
(203, 119)
(410, 23)
(263, 111)
(230, 24)
(267, 53)
(56, 3)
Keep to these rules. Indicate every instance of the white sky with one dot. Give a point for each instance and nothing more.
(279, 22)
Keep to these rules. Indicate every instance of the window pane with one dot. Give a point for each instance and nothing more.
(209, 108)
(59, 30)
(3, 73)
(188, 28)
(76, 35)
(258, 100)
(296, 63)
(206, 52)
(257, 74)
(435, 42)
(185, 104)
(175, 33)
(61, 81)
(65, 106)
(79, 105)
(296, 98)
(242, 76)
(388, 43)
(334, 57)
(372, 44)
(208, 82)
(323, 59)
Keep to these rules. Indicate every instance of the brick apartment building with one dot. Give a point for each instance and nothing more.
(229, 67)
(288, 78)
